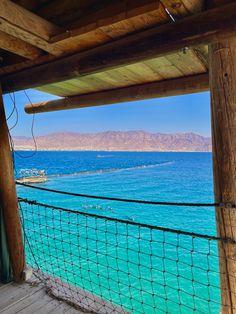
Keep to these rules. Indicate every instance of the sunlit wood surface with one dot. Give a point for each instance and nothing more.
(29, 299)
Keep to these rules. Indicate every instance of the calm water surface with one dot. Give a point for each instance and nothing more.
(176, 177)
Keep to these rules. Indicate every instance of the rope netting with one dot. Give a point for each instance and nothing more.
(109, 265)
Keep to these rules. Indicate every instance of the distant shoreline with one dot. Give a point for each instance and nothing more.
(107, 151)
(130, 141)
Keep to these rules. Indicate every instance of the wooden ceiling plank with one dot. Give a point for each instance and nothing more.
(102, 34)
(27, 37)
(27, 20)
(27, 26)
(31, 4)
(109, 15)
(164, 67)
(180, 86)
(182, 8)
(187, 62)
(65, 11)
(19, 47)
(202, 28)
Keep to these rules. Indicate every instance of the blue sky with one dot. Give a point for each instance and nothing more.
(188, 113)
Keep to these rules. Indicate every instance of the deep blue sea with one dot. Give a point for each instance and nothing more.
(174, 177)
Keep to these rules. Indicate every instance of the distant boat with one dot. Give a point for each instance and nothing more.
(32, 176)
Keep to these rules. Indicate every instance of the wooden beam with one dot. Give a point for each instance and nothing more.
(223, 107)
(182, 8)
(108, 15)
(27, 26)
(179, 86)
(202, 28)
(9, 202)
(19, 47)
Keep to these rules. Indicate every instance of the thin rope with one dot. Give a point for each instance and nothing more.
(192, 234)
(119, 199)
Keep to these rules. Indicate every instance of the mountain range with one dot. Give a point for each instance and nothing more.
(117, 141)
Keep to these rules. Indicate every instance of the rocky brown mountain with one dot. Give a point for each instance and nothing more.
(117, 141)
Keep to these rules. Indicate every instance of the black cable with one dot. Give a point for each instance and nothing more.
(177, 231)
(119, 199)
(13, 99)
(13, 109)
(32, 134)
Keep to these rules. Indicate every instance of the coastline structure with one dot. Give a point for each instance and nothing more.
(94, 53)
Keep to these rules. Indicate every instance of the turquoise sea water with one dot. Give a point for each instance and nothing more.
(180, 177)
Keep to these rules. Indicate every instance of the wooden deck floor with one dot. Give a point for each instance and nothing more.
(29, 299)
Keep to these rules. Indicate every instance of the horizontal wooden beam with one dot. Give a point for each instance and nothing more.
(173, 87)
(203, 28)
(206, 27)
(27, 26)
(19, 47)
(107, 15)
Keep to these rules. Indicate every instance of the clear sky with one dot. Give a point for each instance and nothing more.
(189, 113)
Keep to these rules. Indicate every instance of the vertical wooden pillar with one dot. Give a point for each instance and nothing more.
(8, 200)
(222, 57)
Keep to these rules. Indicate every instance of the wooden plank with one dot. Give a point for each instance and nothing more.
(62, 12)
(110, 14)
(27, 26)
(174, 65)
(9, 201)
(186, 85)
(27, 20)
(26, 298)
(198, 29)
(38, 305)
(101, 35)
(15, 297)
(187, 62)
(206, 27)
(25, 35)
(21, 303)
(31, 4)
(19, 47)
(2, 285)
(182, 8)
(223, 107)
(113, 21)
(13, 293)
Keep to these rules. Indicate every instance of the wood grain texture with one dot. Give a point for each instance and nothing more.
(27, 26)
(27, 20)
(171, 66)
(109, 14)
(223, 107)
(202, 28)
(209, 26)
(19, 47)
(180, 86)
(29, 299)
(9, 201)
(183, 8)
(112, 21)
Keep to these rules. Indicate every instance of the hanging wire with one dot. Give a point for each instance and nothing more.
(31, 129)
(122, 199)
(13, 99)
(13, 108)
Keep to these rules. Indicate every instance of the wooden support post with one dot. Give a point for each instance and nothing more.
(222, 58)
(9, 202)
